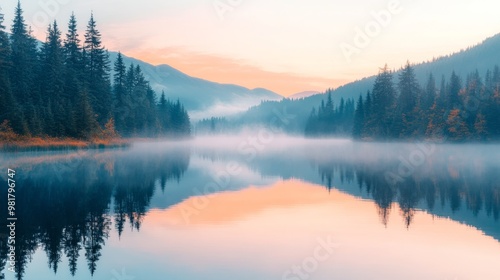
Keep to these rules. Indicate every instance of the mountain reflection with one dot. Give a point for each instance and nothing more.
(69, 205)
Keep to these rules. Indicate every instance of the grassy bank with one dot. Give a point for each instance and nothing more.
(13, 142)
(56, 144)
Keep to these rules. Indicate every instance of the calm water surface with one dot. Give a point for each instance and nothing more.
(228, 209)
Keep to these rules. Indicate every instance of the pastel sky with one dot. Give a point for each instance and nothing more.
(287, 46)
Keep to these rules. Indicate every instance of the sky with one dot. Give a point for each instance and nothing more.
(287, 46)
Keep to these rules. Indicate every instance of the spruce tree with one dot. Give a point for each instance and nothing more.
(24, 63)
(119, 91)
(429, 96)
(151, 112)
(405, 121)
(9, 108)
(74, 73)
(164, 114)
(73, 61)
(97, 73)
(52, 83)
(126, 112)
(492, 108)
(369, 116)
(453, 92)
(437, 115)
(359, 119)
(384, 97)
(409, 89)
(86, 123)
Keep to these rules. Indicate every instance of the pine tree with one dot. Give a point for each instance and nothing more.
(492, 108)
(119, 91)
(9, 108)
(139, 97)
(74, 69)
(182, 124)
(329, 104)
(384, 97)
(453, 92)
(97, 73)
(164, 114)
(437, 117)
(126, 111)
(409, 89)
(73, 61)
(22, 74)
(52, 83)
(86, 123)
(72, 48)
(430, 94)
(341, 109)
(359, 119)
(369, 118)
(405, 121)
(474, 93)
(151, 112)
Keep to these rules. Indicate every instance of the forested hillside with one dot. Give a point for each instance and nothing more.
(453, 109)
(330, 119)
(481, 58)
(64, 88)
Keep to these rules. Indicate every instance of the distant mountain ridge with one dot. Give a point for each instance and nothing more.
(202, 98)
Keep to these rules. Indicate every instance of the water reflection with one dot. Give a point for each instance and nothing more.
(476, 190)
(65, 203)
(69, 205)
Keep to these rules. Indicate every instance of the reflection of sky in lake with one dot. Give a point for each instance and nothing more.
(279, 226)
(441, 223)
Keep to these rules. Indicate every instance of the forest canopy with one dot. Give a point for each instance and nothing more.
(67, 87)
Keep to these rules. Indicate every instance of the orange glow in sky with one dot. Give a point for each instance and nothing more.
(284, 46)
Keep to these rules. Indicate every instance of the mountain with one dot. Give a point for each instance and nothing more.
(201, 98)
(303, 94)
(481, 57)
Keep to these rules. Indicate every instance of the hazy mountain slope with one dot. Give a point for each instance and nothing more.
(482, 57)
(303, 94)
(201, 98)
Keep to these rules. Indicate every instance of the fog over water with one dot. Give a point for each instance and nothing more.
(83, 213)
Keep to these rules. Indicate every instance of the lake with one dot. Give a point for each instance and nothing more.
(257, 209)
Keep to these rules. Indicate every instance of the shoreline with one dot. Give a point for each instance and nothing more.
(40, 145)
(69, 144)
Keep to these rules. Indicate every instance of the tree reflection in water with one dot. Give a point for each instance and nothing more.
(67, 204)
(64, 210)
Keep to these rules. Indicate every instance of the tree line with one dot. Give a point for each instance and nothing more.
(66, 87)
(454, 111)
(329, 120)
(214, 125)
